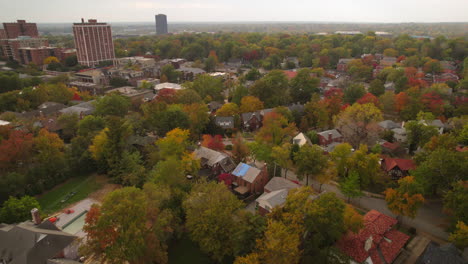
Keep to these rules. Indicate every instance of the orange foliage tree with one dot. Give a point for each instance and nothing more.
(406, 199)
(215, 143)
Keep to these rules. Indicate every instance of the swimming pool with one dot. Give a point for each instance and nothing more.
(76, 224)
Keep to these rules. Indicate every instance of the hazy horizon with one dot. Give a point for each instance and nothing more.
(241, 11)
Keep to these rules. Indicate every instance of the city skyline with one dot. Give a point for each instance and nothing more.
(362, 11)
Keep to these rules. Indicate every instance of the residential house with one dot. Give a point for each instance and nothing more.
(279, 183)
(189, 73)
(388, 125)
(296, 107)
(214, 106)
(136, 96)
(391, 148)
(435, 254)
(249, 179)
(167, 85)
(301, 140)
(253, 120)
(32, 243)
(397, 168)
(388, 61)
(267, 201)
(81, 109)
(376, 242)
(445, 77)
(225, 122)
(399, 134)
(389, 86)
(46, 109)
(328, 137)
(216, 161)
(342, 65)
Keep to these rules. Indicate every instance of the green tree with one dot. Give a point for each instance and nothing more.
(69, 124)
(310, 161)
(171, 74)
(252, 75)
(456, 202)
(341, 156)
(112, 104)
(350, 186)
(117, 82)
(239, 92)
(272, 89)
(210, 64)
(206, 85)
(210, 221)
(377, 87)
(353, 93)
(418, 134)
(366, 165)
(303, 86)
(282, 156)
(90, 125)
(460, 236)
(240, 150)
(16, 210)
(441, 169)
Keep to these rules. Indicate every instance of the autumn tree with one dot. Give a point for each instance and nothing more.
(303, 85)
(69, 124)
(275, 129)
(51, 59)
(341, 156)
(310, 161)
(229, 109)
(213, 142)
(216, 238)
(240, 150)
(170, 73)
(15, 149)
(460, 236)
(369, 98)
(129, 226)
(198, 117)
(282, 156)
(366, 165)
(406, 199)
(250, 104)
(358, 124)
(206, 85)
(316, 114)
(16, 210)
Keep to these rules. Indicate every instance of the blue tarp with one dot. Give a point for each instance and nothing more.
(241, 170)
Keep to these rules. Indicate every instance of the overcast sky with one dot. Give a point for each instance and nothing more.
(42, 11)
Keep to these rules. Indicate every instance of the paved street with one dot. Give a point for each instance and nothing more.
(429, 219)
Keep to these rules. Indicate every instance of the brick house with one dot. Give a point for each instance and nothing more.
(397, 168)
(328, 137)
(249, 179)
(377, 242)
(342, 65)
(217, 161)
(253, 120)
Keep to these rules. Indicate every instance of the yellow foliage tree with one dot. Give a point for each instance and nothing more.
(406, 199)
(229, 109)
(51, 59)
(250, 104)
(460, 236)
(97, 147)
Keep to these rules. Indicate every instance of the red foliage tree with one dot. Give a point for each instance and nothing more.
(15, 149)
(369, 98)
(102, 238)
(167, 95)
(215, 143)
(401, 100)
(433, 102)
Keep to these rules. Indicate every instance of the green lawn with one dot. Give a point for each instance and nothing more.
(51, 201)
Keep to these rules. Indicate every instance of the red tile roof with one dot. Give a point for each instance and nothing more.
(403, 164)
(290, 74)
(391, 146)
(385, 242)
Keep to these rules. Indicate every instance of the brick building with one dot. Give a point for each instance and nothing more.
(20, 28)
(93, 42)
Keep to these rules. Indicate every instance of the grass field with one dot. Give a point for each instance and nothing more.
(51, 201)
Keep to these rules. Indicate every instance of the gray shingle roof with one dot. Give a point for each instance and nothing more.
(211, 157)
(388, 124)
(225, 121)
(335, 134)
(26, 243)
(440, 255)
(278, 183)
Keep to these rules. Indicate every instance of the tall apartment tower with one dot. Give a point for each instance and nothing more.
(19, 28)
(161, 24)
(93, 42)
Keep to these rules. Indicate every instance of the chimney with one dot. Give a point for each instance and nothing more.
(329, 137)
(82, 20)
(36, 218)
